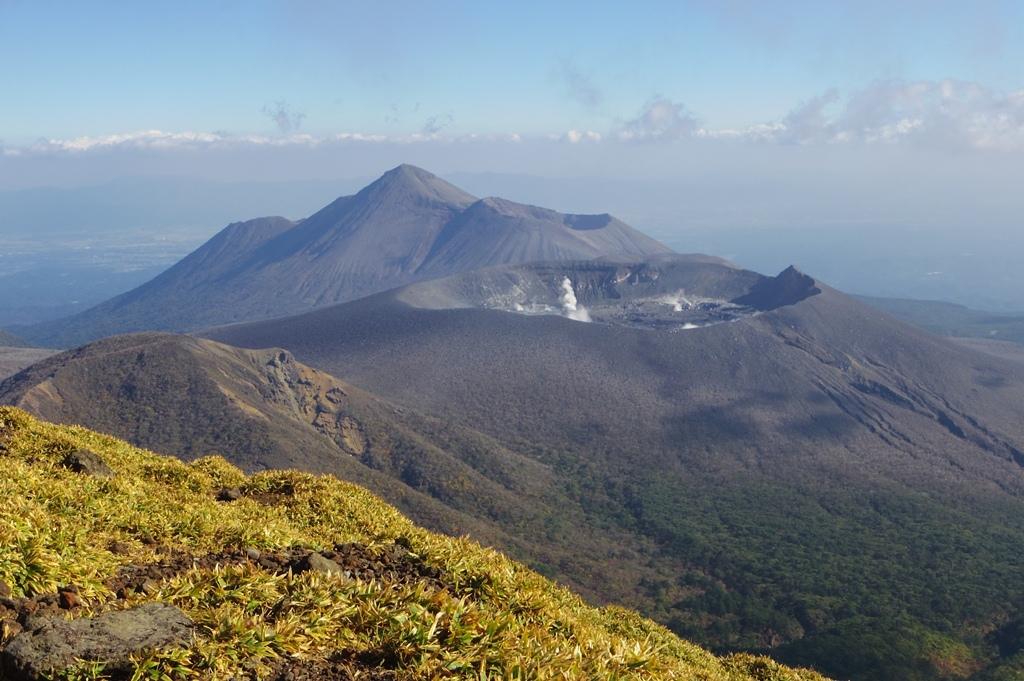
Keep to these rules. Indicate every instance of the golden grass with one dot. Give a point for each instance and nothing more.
(495, 620)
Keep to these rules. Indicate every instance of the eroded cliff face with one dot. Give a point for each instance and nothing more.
(193, 397)
(314, 397)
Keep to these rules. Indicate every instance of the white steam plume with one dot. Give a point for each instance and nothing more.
(570, 306)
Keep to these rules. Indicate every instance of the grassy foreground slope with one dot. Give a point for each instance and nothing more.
(479, 616)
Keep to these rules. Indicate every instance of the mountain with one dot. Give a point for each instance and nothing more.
(406, 226)
(262, 409)
(79, 246)
(950, 319)
(1001, 335)
(279, 575)
(797, 472)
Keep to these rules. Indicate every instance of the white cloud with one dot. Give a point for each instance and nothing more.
(195, 140)
(140, 139)
(660, 120)
(947, 114)
(158, 139)
(938, 114)
(809, 121)
(577, 136)
(756, 133)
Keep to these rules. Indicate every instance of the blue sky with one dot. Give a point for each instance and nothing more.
(824, 118)
(449, 68)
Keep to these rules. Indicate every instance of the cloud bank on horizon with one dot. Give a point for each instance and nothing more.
(270, 72)
(941, 115)
(713, 113)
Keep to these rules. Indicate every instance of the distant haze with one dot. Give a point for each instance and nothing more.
(889, 220)
(879, 145)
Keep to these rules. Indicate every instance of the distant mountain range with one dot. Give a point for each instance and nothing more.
(761, 462)
(407, 226)
(950, 319)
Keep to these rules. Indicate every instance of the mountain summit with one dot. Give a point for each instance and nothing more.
(411, 182)
(406, 226)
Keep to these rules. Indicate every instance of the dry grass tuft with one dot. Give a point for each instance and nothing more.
(493, 618)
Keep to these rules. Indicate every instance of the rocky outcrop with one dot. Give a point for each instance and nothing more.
(316, 398)
(87, 463)
(52, 644)
(789, 287)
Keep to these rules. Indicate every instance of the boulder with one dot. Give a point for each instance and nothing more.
(229, 494)
(88, 463)
(54, 644)
(317, 563)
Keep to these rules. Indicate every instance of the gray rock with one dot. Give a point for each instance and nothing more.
(53, 645)
(88, 463)
(318, 563)
(229, 494)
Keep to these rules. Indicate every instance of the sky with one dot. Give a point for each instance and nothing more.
(528, 69)
(808, 112)
(904, 118)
